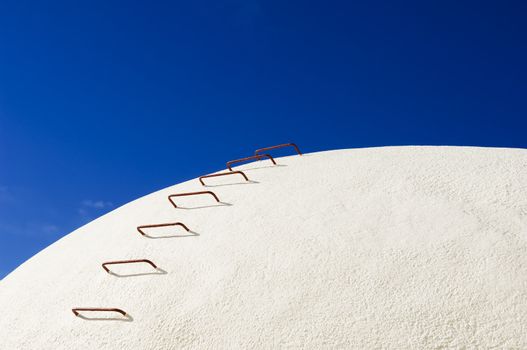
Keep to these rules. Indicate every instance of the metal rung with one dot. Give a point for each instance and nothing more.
(127, 262)
(255, 157)
(191, 194)
(140, 228)
(77, 309)
(258, 151)
(222, 174)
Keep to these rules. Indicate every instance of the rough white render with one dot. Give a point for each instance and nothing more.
(393, 248)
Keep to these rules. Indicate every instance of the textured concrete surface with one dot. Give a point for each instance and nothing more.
(393, 248)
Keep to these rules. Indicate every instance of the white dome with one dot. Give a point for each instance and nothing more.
(397, 247)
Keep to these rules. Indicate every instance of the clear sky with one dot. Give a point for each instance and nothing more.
(102, 102)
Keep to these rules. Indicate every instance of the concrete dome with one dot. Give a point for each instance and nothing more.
(396, 247)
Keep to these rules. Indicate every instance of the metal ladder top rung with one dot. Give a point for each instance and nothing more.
(258, 151)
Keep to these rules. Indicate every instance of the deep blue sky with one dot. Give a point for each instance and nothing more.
(102, 102)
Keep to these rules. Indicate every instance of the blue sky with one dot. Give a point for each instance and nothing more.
(103, 101)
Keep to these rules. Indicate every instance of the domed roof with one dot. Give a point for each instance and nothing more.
(396, 247)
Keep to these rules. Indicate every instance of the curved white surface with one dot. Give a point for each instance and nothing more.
(396, 248)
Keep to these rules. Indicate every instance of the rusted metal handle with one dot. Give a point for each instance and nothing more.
(191, 194)
(258, 151)
(255, 157)
(77, 309)
(222, 174)
(140, 228)
(127, 262)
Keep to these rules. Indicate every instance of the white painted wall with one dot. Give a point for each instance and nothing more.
(397, 247)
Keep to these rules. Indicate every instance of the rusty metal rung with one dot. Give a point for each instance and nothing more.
(191, 194)
(222, 174)
(255, 157)
(127, 262)
(258, 151)
(77, 309)
(140, 228)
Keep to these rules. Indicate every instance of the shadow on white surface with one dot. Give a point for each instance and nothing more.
(187, 234)
(250, 182)
(157, 271)
(125, 318)
(220, 204)
(263, 167)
